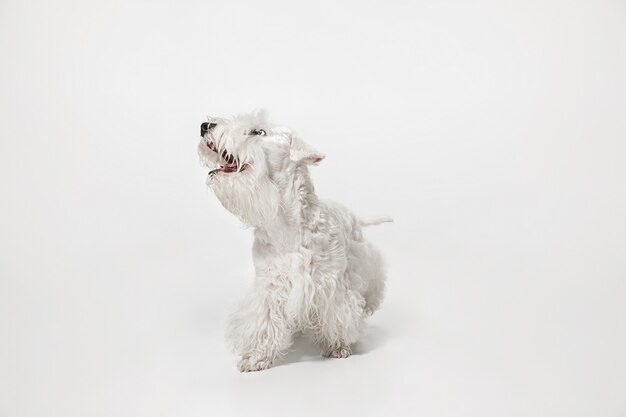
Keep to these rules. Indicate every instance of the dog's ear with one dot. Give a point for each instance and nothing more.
(300, 151)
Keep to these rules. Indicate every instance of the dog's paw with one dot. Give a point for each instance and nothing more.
(252, 364)
(338, 352)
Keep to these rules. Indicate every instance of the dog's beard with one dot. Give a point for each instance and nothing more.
(255, 200)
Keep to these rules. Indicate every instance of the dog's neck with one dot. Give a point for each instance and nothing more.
(299, 210)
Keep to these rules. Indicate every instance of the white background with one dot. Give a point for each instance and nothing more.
(493, 131)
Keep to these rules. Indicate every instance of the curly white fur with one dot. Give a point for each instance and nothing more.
(315, 273)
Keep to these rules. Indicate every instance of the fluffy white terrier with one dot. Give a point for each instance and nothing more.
(315, 273)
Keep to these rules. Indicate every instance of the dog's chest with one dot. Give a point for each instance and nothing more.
(278, 237)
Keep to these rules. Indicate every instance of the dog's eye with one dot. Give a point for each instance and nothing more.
(258, 132)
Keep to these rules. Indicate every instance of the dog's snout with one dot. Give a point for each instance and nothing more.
(205, 127)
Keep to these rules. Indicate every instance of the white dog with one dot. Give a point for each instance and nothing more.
(315, 274)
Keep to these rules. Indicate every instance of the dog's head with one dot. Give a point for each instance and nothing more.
(251, 163)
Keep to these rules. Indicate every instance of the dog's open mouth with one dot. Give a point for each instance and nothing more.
(230, 162)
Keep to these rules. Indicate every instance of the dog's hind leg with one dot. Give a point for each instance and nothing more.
(339, 350)
(366, 263)
(340, 323)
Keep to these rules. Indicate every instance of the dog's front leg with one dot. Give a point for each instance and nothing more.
(259, 329)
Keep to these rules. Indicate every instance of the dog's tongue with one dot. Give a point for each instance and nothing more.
(225, 168)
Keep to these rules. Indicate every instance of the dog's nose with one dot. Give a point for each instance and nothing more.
(205, 127)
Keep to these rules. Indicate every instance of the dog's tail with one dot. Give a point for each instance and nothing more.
(375, 221)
